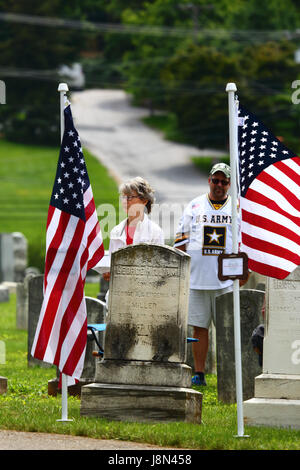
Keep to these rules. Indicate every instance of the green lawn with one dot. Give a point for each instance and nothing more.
(27, 174)
(27, 407)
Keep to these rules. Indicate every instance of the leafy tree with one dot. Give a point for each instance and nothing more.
(231, 41)
(29, 58)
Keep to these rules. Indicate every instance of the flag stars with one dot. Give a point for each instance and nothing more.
(258, 149)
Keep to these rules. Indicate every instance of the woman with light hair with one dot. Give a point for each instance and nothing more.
(137, 198)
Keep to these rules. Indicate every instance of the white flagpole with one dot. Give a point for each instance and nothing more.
(233, 148)
(62, 89)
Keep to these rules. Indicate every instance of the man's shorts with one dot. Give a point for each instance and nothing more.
(202, 306)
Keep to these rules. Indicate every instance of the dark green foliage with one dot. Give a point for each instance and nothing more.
(29, 58)
(185, 73)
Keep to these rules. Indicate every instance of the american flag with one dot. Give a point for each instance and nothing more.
(73, 246)
(269, 199)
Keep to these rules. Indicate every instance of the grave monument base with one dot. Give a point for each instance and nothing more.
(143, 403)
(161, 374)
(276, 402)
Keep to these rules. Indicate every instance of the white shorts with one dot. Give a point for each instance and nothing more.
(202, 306)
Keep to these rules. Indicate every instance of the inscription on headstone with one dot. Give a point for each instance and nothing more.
(146, 303)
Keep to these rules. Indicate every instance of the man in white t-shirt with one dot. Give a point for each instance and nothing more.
(204, 232)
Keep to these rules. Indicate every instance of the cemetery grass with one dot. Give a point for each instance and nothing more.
(27, 175)
(27, 407)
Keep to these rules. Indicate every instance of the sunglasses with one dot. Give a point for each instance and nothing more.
(129, 198)
(217, 181)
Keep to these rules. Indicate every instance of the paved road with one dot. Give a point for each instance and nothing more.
(112, 130)
(15, 440)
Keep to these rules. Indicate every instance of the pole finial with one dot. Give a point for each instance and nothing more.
(231, 87)
(63, 87)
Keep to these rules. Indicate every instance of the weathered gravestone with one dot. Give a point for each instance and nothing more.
(22, 301)
(20, 247)
(35, 300)
(143, 376)
(277, 389)
(6, 257)
(251, 302)
(4, 293)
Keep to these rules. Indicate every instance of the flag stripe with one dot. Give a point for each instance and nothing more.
(264, 202)
(268, 247)
(277, 230)
(284, 191)
(55, 234)
(69, 254)
(296, 160)
(290, 173)
(77, 350)
(269, 259)
(68, 317)
(267, 270)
